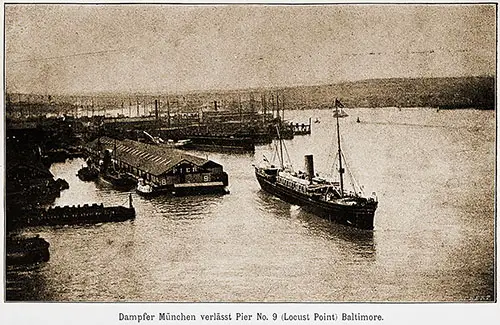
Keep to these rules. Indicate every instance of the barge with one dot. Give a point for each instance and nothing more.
(221, 143)
(71, 215)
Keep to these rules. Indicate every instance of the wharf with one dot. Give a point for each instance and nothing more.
(159, 166)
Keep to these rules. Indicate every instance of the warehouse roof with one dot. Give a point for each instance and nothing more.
(154, 159)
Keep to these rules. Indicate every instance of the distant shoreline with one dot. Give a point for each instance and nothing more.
(440, 93)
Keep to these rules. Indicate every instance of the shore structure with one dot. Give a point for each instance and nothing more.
(165, 169)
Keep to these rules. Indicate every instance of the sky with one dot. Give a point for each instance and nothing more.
(81, 49)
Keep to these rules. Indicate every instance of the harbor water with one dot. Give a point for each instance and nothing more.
(433, 174)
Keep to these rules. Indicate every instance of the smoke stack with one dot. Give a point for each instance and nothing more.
(215, 105)
(156, 109)
(309, 167)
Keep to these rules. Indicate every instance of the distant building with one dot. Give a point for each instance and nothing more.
(164, 168)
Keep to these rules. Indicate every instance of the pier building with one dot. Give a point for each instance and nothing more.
(164, 168)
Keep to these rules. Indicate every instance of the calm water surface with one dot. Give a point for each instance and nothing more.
(433, 173)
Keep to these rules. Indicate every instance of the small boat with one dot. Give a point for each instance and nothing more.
(23, 250)
(324, 197)
(144, 189)
(181, 144)
(87, 173)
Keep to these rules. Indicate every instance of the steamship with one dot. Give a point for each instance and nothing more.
(324, 197)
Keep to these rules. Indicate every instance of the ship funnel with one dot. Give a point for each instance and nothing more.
(156, 109)
(309, 167)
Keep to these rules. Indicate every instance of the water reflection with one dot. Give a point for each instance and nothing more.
(272, 205)
(26, 283)
(358, 241)
(433, 229)
(184, 207)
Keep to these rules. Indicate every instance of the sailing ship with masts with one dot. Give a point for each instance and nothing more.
(324, 197)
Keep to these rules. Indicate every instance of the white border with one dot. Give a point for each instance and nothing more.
(107, 313)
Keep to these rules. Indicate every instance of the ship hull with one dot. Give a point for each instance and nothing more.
(222, 143)
(186, 189)
(70, 215)
(146, 194)
(355, 216)
(179, 190)
(87, 174)
(24, 251)
(119, 181)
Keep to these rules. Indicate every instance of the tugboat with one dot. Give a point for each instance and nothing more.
(144, 189)
(118, 179)
(112, 175)
(88, 173)
(325, 198)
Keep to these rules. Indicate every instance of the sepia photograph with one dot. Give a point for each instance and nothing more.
(259, 153)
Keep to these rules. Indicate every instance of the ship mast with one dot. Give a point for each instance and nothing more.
(114, 148)
(341, 170)
(281, 148)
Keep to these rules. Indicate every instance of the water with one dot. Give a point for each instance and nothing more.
(433, 173)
